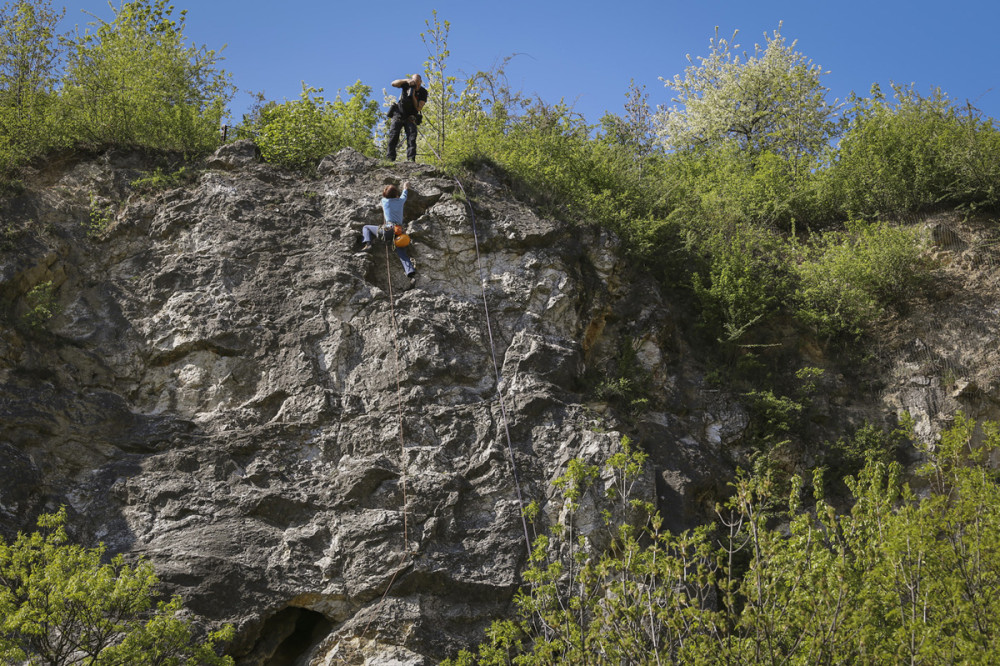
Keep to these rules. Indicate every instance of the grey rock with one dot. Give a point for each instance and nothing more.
(238, 154)
(301, 447)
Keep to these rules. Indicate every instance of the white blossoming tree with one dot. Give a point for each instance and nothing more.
(771, 101)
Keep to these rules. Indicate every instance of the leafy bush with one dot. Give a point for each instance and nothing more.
(158, 179)
(134, 82)
(42, 306)
(744, 280)
(847, 279)
(61, 604)
(98, 218)
(297, 134)
(900, 578)
(726, 183)
(847, 456)
(912, 155)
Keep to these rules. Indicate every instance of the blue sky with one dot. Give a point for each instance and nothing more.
(586, 52)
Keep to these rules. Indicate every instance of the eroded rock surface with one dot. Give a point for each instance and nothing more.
(310, 451)
(234, 391)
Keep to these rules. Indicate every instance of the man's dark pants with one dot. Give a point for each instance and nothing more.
(398, 123)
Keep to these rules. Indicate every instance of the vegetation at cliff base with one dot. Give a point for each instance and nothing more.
(904, 576)
(62, 604)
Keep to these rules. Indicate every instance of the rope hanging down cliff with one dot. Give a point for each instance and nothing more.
(399, 403)
(493, 355)
(406, 553)
(496, 371)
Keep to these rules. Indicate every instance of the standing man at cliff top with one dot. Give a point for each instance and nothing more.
(406, 114)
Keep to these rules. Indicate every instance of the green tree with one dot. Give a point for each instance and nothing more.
(63, 604)
(30, 54)
(441, 100)
(634, 131)
(771, 102)
(135, 82)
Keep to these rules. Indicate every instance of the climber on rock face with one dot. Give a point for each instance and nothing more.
(391, 230)
(405, 114)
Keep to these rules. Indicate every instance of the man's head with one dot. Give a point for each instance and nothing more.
(416, 81)
(390, 191)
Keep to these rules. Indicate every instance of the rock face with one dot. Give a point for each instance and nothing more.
(302, 445)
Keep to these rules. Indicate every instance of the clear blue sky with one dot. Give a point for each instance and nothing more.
(586, 52)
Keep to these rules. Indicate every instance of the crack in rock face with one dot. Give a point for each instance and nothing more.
(302, 445)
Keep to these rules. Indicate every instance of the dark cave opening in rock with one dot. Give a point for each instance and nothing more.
(299, 631)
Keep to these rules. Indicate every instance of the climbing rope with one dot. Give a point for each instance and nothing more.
(496, 371)
(493, 355)
(399, 401)
(402, 445)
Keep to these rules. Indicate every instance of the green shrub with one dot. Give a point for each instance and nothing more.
(847, 456)
(725, 183)
(847, 279)
(63, 604)
(744, 280)
(912, 155)
(158, 179)
(297, 134)
(629, 386)
(98, 218)
(42, 306)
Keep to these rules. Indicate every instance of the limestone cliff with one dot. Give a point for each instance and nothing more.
(235, 392)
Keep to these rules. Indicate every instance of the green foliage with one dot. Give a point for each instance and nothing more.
(778, 414)
(848, 455)
(61, 603)
(485, 108)
(42, 306)
(847, 279)
(158, 179)
(728, 183)
(441, 99)
(913, 155)
(744, 279)
(297, 134)
(29, 58)
(98, 218)
(898, 579)
(634, 132)
(771, 102)
(134, 82)
(628, 387)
